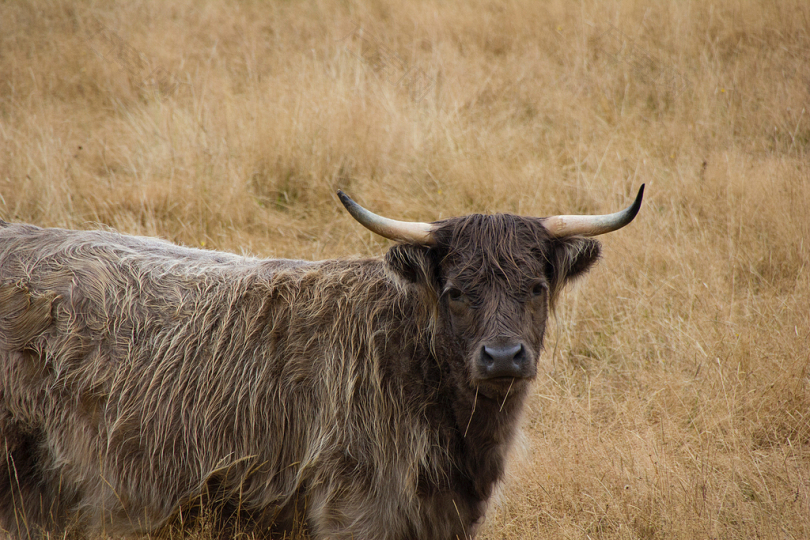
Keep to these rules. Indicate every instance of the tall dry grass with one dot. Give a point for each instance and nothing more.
(674, 399)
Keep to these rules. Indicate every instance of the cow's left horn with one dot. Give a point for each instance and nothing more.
(399, 231)
(559, 226)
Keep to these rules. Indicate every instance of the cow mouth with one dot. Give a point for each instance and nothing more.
(502, 384)
(502, 380)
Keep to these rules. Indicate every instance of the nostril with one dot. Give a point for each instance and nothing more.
(487, 355)
(520, 356)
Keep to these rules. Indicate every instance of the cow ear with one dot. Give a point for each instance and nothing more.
(413, 264)
(569, 259)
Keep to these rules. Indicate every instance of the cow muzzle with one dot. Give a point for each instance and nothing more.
(511, 360)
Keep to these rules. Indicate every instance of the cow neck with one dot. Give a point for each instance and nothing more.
(485, 430)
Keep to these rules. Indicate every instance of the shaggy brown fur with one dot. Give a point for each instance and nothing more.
(138, 378)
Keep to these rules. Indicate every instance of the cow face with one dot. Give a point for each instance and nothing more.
(494, 279)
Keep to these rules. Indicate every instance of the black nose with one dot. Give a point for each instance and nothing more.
(507, 360)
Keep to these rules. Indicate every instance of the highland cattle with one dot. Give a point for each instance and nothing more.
(358, 399)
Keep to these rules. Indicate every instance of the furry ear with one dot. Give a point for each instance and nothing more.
(413, 264)
(570, 258)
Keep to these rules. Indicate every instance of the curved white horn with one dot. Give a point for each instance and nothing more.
(399, 231)
(560, 226)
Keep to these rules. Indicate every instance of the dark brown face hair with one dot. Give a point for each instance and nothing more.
(494, 277)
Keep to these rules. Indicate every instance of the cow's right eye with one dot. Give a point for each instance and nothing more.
(539, 289)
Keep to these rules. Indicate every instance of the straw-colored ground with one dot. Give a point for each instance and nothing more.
(673, 399)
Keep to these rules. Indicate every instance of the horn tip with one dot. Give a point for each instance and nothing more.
(345, 199)
(636, 206)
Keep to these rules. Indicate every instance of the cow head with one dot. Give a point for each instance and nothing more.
(494, 278)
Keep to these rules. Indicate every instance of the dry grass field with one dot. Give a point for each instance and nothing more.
(673, 399)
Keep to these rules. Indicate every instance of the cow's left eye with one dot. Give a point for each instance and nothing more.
(539, 289)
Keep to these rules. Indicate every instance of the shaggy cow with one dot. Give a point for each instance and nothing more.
(359, 399)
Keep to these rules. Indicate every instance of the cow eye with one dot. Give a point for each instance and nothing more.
(455, 295)
(539, 289)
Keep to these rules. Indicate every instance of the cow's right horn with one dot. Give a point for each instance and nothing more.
(561, 226)
(399, 231)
